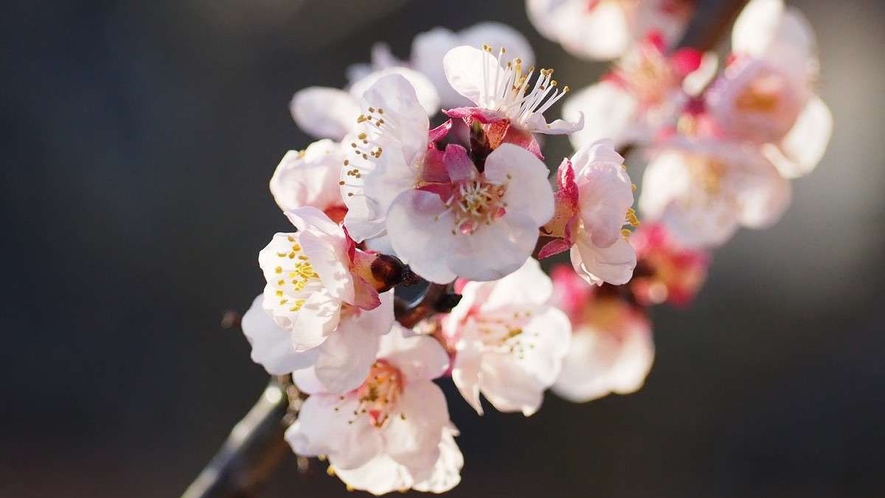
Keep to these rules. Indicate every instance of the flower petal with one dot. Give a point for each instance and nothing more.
(412, 435)
(466, 68)
(613, 264)
(326, 425)
(609, 112)
(424, 88)
(324, 112)
(418, 357)
(528, 191)
(271, 345)
(805, 144)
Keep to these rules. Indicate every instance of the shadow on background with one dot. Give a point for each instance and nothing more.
(139, 138)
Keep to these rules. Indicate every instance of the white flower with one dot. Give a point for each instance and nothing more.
(384, 474)
(341, 362)
(429, 48)
(310, 178)
(612, 349)
(310, 275)
(702, 191)
(643, 92)
(503, 92)
(592, 207)
(332, 113)
(390, 433)
(387, 154)
(479, 226)
(509, 342)
(606, 29)
(767, 96)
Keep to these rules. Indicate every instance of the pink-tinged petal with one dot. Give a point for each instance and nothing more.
(326, 425)
(694, 83)
(365, 294)
(466, 372)
(548, 333)
(465, 67)
(307, 382)
(424, 88)
(605, 192)
(458, 165)
(554, 247)
(419, 357)
(434, 169)
(446, 473)
(328, 257)
(805, 144)
(609, 112)
(420, 232)
(324, 112)
(523, 139)
(470, 114)
(395, 97)
(528, 190)
(309, 177)
(348, 353)
(271, 345)
(756, 26)
(414, 430)
(602, 361)
(686, 61)
(613, 264)
(440, 132)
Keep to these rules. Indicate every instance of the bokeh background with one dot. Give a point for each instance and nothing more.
(138, 140)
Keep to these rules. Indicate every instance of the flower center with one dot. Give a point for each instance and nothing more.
(294, 276)
(380, 392)
(503, 331)
(647, 74)
(476, 203)
(762, 95)
(507, 89)
(708, 173)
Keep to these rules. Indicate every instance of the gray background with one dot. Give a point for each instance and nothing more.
(138, 139)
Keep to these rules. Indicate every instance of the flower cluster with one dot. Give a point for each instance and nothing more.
(430, 171)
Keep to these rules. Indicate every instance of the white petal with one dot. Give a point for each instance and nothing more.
(413, 432)
(499, 36)
(317, 318)
(466, 373)
(600, 34)
(421, 234)
(762, 193)
(613, 264)
(495, 250)
(446, 472)
(326, 425)
(466, 68)
(309, 177)
(418, 357)
(378, 476)
(328, 257)
(395, 96)
(324, 112)
(601, 361)
(271, 345)
(605, 191)
(527, 287)
(805, 145)
(508, 387)
(424, 88)
(348, 353)
(528, 191)
(666, 179)
(428, 50)
(755, 27)
(609, 112)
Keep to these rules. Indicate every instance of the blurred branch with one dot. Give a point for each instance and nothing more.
(712, 20)
(253, 450)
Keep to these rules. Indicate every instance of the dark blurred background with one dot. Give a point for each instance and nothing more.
(138, 140)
